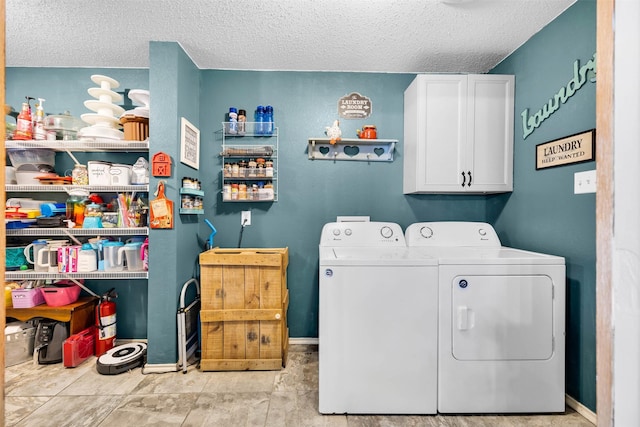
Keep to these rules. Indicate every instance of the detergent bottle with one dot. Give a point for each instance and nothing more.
(39, 133)
(24, 126)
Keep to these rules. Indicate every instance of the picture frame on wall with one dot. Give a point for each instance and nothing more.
(569, 150)
(189, 144)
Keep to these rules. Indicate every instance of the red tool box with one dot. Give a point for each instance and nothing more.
(78, 347)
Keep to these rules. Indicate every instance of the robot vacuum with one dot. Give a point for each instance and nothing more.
(122, 358)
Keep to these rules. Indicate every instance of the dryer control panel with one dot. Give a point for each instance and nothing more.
(365, 234)
(452, 233)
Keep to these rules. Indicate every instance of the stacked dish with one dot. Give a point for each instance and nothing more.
(105, 121)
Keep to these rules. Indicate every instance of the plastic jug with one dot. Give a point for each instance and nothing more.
(34, 248)
(110, 254)
(47, 259)
(87, 258)
(97, 244)
(133, 252)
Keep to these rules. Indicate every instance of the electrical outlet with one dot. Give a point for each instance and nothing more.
(245, 219)
(584, 182)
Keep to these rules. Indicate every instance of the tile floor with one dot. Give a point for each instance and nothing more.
(51, 395)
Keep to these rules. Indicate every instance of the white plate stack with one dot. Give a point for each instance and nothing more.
(105, 123)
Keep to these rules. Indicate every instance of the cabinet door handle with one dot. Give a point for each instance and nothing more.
(464, 179)
(469, 185)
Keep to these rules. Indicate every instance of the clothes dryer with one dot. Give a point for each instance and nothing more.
(377, 322)
(501, 338)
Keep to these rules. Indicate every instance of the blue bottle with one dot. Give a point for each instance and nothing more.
(259, 130)
(267, 128)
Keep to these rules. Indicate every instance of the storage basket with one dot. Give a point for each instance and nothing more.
(244, 309)
(18, 341)
(26, 298)
(61, 294)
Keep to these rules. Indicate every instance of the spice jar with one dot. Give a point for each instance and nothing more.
(268, 168)
(242, 171)
(242, 191)
(252, 168)
(260, 163)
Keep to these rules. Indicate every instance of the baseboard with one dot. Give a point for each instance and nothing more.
(581, 409)
(303, 341)
(159, 368)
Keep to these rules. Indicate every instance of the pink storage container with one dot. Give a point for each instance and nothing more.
(61, 294)
(26, 298)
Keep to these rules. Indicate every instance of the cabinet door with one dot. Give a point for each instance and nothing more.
(434, 133)
(490, 133)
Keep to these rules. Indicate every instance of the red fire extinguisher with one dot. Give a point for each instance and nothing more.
(106, 322)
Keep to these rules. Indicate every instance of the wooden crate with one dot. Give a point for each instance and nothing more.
(244, 309)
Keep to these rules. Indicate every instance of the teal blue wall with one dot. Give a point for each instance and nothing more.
(174, 83)
(542, 213)
(314, 192)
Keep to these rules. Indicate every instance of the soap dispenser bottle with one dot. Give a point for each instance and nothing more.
(39, 133)
(24, 126)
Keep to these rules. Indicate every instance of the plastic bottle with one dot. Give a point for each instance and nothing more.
(39, 133)
(267, 128)
(233, 121)
(242, 118)
(24, 126)
(259, 120)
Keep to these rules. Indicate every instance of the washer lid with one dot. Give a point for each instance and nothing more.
(374, 256)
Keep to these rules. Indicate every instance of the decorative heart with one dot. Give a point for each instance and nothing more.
(324, 150)
(379, 151)
(351, 150)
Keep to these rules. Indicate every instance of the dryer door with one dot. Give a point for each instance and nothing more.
(499, 317)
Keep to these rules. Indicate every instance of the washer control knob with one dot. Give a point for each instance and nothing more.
(426, 232)
(347, 232)
(386, 232)
(336, 232)
(482, 232)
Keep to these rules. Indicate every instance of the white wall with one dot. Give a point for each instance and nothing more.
(626, 242)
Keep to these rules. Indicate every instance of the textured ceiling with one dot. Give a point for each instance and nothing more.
(315, 35)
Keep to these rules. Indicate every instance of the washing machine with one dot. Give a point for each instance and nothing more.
(501, 335)
(377, 322)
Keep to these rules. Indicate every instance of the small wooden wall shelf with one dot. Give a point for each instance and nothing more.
(366, 150)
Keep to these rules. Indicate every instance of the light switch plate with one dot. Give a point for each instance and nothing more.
(584, 182)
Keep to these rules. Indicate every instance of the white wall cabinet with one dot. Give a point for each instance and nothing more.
(458, 134)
